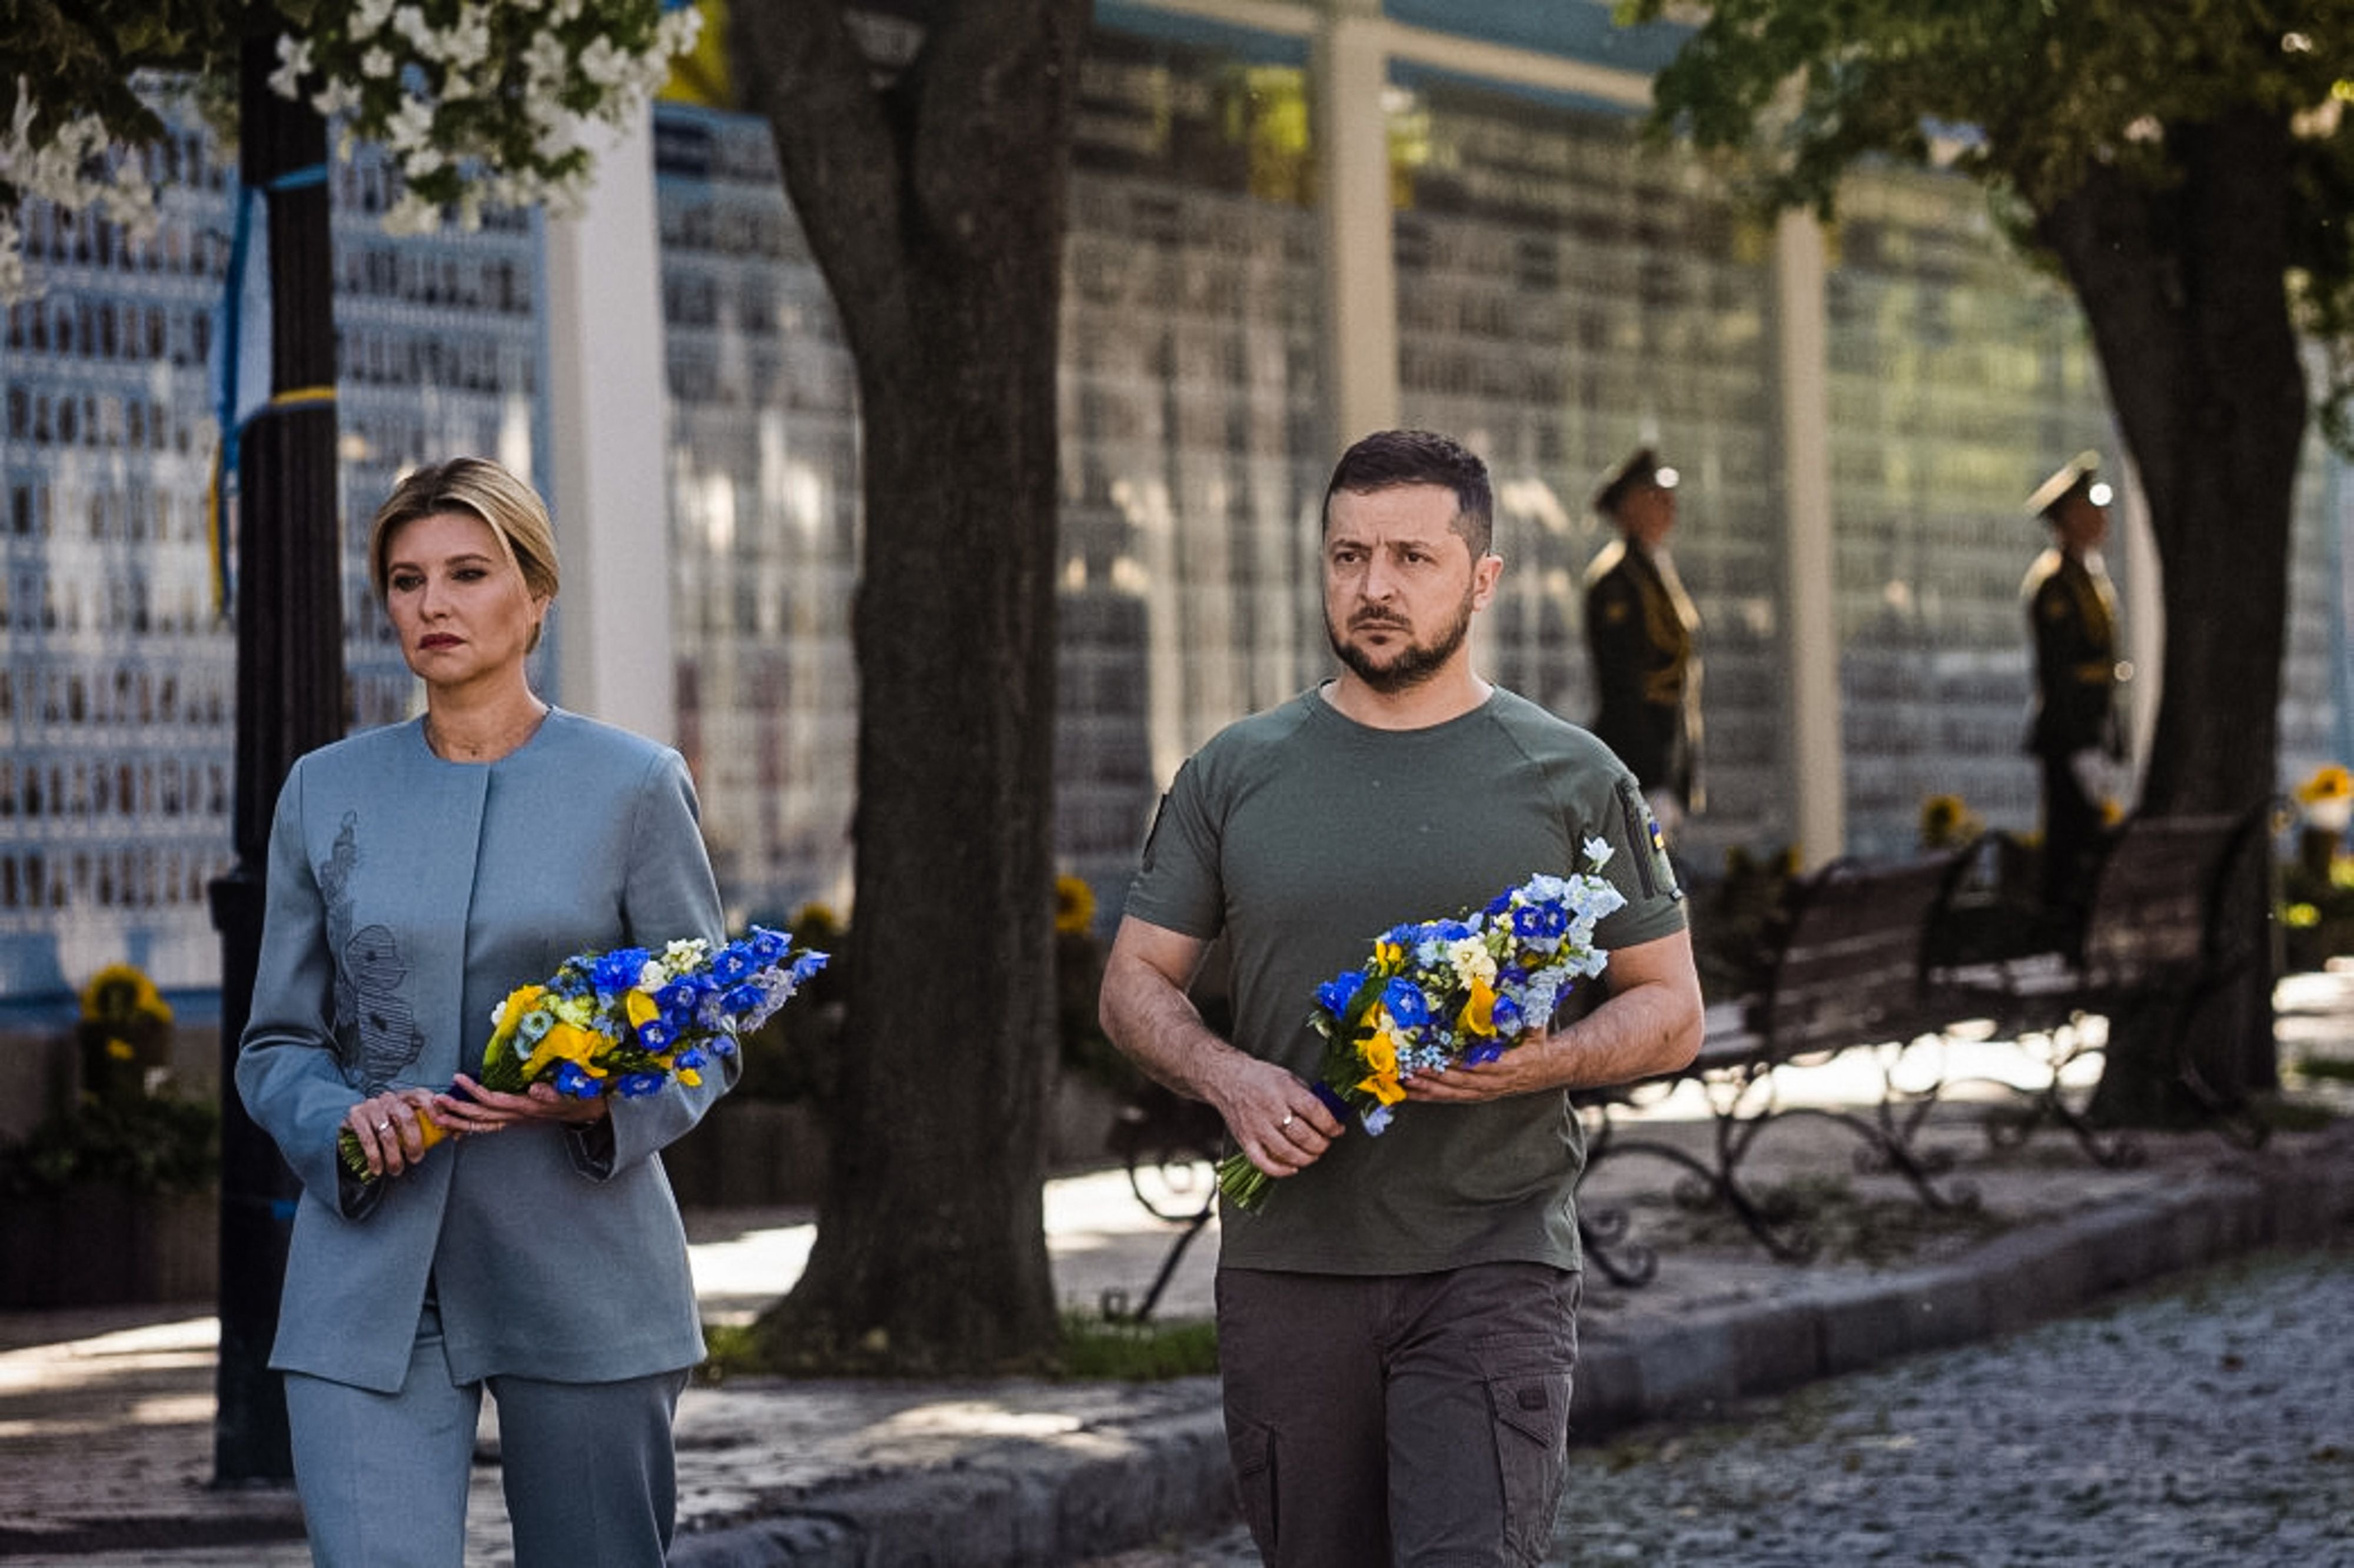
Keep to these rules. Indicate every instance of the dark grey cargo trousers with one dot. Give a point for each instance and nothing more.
(1415, 1419)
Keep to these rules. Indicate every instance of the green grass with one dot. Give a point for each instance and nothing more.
(1094, 1348)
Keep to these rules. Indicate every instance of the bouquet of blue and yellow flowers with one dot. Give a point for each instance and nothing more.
(630, 1021)
(1439, 993)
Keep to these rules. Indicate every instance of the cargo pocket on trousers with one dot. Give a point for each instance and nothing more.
(1528, 1393)
(1252, 1450)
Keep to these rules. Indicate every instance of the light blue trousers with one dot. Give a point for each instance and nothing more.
(588, 1469)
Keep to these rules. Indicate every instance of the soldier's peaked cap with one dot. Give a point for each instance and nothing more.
(2074, 475)
(1639, 468)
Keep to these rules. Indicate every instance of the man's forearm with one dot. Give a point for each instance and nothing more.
(1156, 1025)
(1640, 1032)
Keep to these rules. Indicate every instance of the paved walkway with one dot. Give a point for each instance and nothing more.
(105, 1437)
(2210, 1421)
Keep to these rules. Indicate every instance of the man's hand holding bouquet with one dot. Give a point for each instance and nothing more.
(1446, 993)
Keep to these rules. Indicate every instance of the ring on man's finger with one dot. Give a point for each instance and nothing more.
(384, 1127)
(1287, 1121)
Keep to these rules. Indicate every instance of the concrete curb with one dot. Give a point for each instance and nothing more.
(1095, 1491)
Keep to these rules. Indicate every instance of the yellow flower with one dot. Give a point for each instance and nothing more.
(640, 1008)
(1478, 1014)
(121, 993)
(565, 1043)
(1380, 1053)
(1074, 906)
(508, 1017)
(2330, 782)
(816, 923)
(1946, 823)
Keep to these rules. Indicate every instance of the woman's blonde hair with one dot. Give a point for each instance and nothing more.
(517, 518)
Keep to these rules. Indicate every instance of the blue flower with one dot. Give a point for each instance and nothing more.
(1506, 1016)
(618, 970)
(689, 1060)
(572, 1079)
(747, 997)
(806, 964)
(1335, 994)
(656, 1033)
(769, 946)
(733, 963)
(1406, 1003)
(681, 994)
(638, 1085)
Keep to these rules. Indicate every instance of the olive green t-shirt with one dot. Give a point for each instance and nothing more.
(1300, 835)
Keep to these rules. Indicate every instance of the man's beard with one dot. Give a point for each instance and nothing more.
(1411, 666)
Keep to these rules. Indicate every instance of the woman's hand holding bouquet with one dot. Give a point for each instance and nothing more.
(626, 1021)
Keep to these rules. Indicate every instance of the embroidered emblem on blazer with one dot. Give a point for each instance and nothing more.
(375, 1030)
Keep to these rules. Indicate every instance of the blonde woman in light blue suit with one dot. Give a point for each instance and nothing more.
(418, 873)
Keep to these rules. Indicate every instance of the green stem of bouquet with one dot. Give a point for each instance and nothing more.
(1244, 1184)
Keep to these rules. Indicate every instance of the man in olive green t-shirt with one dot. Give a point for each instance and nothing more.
(1397, 1324)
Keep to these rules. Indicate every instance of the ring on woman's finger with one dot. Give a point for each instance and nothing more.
(384, 1127)
(1287, 1122)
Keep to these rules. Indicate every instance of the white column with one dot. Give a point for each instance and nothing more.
(1810, 640)
(1350, 81)
(609, 407)
(2144, 614)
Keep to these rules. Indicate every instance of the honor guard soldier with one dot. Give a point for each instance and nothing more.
(2074, 730)
(1640, 628)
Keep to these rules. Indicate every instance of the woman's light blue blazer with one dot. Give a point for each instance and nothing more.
(406, 897)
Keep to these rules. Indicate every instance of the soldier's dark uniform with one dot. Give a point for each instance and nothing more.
(1639, 626)
(2071, 616)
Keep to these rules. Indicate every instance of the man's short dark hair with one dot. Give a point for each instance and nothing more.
(1389, 459)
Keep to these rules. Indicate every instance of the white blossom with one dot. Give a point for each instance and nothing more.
(368, 17)
(468, 44)
(603, 64)
(294, 65)
(337, 98)
(410, 22)
(412, 214)
(410, 125)
(572, 75)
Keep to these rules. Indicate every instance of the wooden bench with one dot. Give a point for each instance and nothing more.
(1843, 969)
(2171, 920)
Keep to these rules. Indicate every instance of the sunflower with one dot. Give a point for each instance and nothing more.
(1074, 906)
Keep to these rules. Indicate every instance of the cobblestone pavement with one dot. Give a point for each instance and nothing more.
(2208, 1423)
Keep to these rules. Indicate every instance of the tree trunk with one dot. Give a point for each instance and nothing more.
(934, 204)
(2183, 287)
